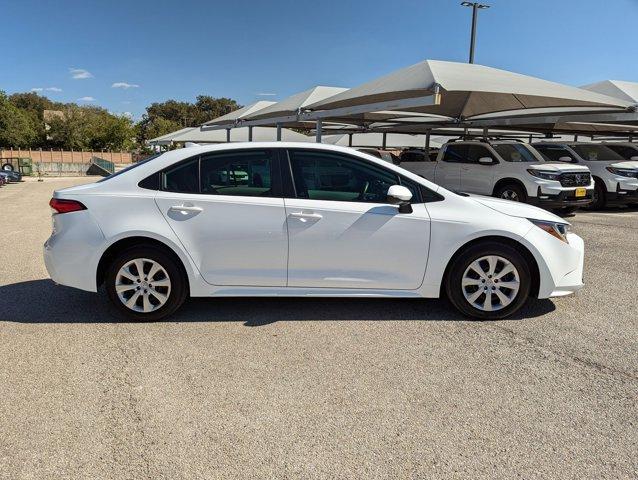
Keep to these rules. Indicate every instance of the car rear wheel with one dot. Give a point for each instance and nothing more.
(145, 284)
(7, 167)
(512, 192)
(489, 281)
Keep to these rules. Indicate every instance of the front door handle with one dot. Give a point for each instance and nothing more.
(186, 208)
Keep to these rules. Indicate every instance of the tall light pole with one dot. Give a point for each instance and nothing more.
(475, 8)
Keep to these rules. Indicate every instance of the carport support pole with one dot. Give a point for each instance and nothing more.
(575, 138)
(279, 132)
(319, 128)
(250, 134)
(427, 143)
(485, 134)
(228, 135)
(384, 140)
(350, 140)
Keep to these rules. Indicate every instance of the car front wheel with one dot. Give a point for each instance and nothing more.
(145, 284)
(489, 281)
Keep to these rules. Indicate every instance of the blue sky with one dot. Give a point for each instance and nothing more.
(157, 50)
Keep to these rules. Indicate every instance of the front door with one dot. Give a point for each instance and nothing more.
(225, 210)
(342, 231)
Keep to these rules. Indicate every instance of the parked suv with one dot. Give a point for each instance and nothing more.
(510, 170)
(616, 178)
(627, 150)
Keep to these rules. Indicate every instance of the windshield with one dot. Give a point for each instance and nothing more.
(593, 153)
(130, 167)
(515, 152)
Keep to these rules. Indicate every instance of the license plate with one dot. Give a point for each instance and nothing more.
(581, 192)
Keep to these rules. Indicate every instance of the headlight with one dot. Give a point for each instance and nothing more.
(544, 175)
(558, 230)
(623, 172)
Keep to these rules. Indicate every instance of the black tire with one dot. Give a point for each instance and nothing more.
(453, 280)
(566, 210)
(7, 167)
(600, 196)
(178, 290)
(512, 192)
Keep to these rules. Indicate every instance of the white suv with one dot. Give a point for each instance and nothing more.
(510, 170)
(616, 178)
(297, 219)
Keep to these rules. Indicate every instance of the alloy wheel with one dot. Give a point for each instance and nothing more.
(490, 283)
(142, 285)
(510, 195)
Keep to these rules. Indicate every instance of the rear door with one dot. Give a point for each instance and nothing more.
(227, 210)
(477, 177)
(448, 169)
(342, 231)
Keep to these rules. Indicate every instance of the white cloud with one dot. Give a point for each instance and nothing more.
(80, 73)
(48, 89)
(128, 114)
(86, 99)
(266, 94)
(126, 102)
(124, 85)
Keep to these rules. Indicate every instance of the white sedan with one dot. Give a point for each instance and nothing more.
(287, 219)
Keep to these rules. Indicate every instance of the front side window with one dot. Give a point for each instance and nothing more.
(553, 153)
(243, 173)
(478, 151)
(593, 153)
(515, 152)
(328, 176)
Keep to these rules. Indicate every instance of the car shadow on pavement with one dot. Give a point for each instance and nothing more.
(42, 301)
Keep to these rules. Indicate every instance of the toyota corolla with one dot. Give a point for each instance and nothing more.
(296, 219)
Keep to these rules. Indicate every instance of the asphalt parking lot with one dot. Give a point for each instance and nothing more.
(301, 388)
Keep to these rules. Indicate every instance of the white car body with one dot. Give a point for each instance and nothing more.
(287, 246)
(617, 188)
(493, 178)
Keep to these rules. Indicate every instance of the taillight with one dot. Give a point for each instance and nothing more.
(65, 206)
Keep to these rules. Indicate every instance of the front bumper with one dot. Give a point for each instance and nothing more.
(622, 196)
(565, 198)
(560, 264)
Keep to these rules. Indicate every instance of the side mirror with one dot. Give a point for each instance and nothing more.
(565, 159)
(401, 196)
(486, 161)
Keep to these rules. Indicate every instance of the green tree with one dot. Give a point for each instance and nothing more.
(17, 127)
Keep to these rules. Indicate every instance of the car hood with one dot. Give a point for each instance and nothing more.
(630, 164)
(559, 167)
(517, 209)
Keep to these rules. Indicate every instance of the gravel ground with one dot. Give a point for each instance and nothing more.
(301, 388)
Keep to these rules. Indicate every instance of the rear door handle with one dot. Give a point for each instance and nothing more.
(306, 216)
(186, 208)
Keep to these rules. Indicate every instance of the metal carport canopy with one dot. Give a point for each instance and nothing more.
(466, 90)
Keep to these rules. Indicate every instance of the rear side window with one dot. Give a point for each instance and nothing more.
(456, 153)
(245, 173)
(182, 178)
(553, 153)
